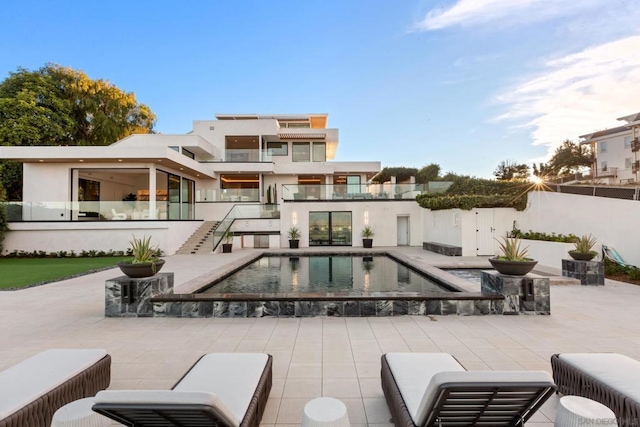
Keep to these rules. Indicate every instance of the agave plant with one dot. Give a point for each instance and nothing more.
(585, 244)
(142, 250)
(511, 250)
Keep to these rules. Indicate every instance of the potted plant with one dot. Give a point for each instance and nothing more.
(227, 240)
(513, 260)
(145, 262)
(584, 248)
(367, 234)
(294, 237)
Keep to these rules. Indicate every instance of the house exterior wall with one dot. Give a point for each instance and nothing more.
(103, 235)
(615, 156)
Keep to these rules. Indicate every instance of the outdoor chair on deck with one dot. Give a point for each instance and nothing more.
(433, 389)
(228, 389)
(118, 216)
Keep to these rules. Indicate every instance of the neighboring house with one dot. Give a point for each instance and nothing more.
(616, 159)
(265, 172)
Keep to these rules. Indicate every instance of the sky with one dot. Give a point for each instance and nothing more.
(465, 84)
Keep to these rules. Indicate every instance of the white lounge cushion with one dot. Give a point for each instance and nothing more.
(164, 397)
(34, 377)
(615, 370)
(232, 376)
(413, 373)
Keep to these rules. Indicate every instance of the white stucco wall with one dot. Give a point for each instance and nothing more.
(611, 221)
(95, 235)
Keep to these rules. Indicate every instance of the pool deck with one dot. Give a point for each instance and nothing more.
(313, 357)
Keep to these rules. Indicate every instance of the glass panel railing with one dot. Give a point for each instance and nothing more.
(241, 155)
(85, 211)
(233, 195)
(243, 211)
(353, 191)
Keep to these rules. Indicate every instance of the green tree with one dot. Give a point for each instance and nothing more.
(510, 170)
(430, 172)
(3, 218)
(56, 105)
(401, 173)
(570, 158)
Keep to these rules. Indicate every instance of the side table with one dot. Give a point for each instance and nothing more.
(325, 412)
(79, 414)
(574, 411)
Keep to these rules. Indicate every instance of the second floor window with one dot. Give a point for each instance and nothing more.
(627, 141)
(278, 148)
(301, 152)
(628, 162)
(603, 146)
(319, 152)
(603, 166)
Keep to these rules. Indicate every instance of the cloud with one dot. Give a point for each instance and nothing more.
(578, 93)
(501, 12)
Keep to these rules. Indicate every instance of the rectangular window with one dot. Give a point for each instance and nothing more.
(603, 166)
(301, 152)
(603, 146)
(278, 148)
(628, 162)
(319, 152)
(627, 141)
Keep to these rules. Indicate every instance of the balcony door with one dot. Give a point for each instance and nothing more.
(330, 229)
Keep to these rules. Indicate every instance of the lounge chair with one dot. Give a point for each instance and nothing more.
(228, 389)
(612, 255)
(118, 216)
(609, 378)
(34, 389)
(433, 389)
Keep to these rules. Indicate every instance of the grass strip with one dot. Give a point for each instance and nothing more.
(25, 272)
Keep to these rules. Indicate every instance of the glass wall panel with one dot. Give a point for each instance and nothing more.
(174, 196)
(330, 229)
(188, 199)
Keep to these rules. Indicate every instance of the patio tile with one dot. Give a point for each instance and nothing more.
(302, 388)
(340, 388)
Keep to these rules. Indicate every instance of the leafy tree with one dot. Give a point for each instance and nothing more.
(509, 170)
(542, 170)
(430, 172)
(569, 158)
(56, 105)
(11, 179)
(3, 218)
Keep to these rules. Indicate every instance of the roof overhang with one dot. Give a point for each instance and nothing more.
(109, 155)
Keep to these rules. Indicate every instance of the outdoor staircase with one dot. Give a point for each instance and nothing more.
(201, 241)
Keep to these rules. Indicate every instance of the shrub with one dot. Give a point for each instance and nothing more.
(511, 250)
(537, 235)
(3, 222)
(468, 202)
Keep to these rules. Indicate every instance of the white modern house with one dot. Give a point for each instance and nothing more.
(616, 159)
(257, 174)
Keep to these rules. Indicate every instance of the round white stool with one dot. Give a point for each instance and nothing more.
(79, 414)
(325, 412)
(574, 411)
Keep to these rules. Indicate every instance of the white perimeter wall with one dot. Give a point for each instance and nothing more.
(613, 222)
(98, 235)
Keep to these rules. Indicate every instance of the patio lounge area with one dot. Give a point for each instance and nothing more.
(313, 357)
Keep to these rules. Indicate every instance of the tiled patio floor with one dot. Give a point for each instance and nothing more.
(338, 357)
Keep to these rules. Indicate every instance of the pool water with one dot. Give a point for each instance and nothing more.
(322, 274)
(470, 274)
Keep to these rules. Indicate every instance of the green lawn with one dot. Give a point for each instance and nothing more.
(19, 272)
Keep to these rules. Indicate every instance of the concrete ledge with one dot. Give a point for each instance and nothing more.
(442, 248)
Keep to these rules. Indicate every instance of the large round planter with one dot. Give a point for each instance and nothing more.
(513, 268)
(294, 244)
(367, 243)
(144, 269)
(581, 256)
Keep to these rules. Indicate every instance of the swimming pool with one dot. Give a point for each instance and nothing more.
(365, 285)
(356, 275)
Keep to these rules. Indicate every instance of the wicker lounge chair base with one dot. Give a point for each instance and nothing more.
(85, 383)
(579, 380)
(194, 400)
(462, 398)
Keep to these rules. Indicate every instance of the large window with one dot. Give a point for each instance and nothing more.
(603, 146)
(278, 148)
(240, 187)
(301, 152)
(319, 152)
(329, 228)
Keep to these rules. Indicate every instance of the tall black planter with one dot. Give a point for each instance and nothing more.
(226, 248)
(367, 243)
(294, 244)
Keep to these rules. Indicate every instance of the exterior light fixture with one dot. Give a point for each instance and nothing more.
(294, 218)
(366, 217)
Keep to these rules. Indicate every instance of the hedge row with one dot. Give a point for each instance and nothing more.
(468, 202)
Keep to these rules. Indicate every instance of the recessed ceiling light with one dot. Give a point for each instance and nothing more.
(119, 160)
(81, 160)
(159, 160)
(181, 169)
(198, 175)
(41, 160)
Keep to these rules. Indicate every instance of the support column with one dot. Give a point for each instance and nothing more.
(152, 192)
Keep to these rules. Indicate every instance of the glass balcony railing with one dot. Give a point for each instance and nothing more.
(234, 195)
(86, 211)
(237, 212)
(385, 191)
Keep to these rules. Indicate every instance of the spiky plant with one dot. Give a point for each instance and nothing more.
(142, 250)
(585, 244)
(511, 250)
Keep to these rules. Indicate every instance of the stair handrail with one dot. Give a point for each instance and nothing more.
(240, 211)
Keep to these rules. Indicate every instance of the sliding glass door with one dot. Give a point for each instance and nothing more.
(330, 229)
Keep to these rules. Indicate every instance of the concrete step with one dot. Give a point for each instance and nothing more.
(201, 241)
